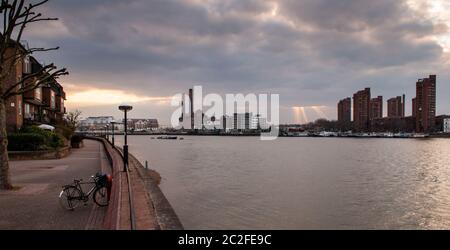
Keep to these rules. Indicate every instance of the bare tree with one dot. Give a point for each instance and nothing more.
(17, 15)
(73, 118)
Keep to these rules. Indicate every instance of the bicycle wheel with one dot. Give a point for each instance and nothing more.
(70, 198)
(101, 196)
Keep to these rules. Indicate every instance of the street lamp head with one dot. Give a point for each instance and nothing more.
(125, 107)
(113, 122)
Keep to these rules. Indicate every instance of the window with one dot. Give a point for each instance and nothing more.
(19, 104)
(38, 93)
(52, 99)
(27, 110)
(26, 67)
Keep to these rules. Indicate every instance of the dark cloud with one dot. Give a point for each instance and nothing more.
(314, 52)
(344, 15)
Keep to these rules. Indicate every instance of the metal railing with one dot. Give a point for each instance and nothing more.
(130, 191)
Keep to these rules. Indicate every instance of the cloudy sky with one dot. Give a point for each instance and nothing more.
(311, 52)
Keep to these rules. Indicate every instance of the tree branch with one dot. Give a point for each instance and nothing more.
(47, 77)
(16, 14)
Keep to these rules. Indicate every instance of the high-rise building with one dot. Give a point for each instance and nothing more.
(361, 110)
(396, 107)
(414, 107)
(376, 108)
(425, 104)
(344, 110)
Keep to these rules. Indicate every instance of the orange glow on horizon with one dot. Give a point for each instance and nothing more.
(92, 97)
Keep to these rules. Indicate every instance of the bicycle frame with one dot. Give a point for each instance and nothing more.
(79, 184)
(86, 183)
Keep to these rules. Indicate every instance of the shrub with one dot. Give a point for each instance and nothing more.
(76, 139)
(64, 131)
(26, 142)
(32, 138)
(56, 140)
(32, 129)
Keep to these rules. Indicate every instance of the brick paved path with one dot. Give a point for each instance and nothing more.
(35, 205)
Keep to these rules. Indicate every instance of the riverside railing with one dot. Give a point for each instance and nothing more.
(130, 191)
(112, 219)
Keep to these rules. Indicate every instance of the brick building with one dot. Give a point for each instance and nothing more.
(376, 108)
(361, 110)
(425, 104)
(344, 110)
(396, 107)
(40, 105)
(14, 104)
(393, 124)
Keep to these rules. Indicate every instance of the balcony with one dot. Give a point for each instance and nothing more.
(31, 119)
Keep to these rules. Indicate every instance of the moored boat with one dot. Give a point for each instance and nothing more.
(167, 137)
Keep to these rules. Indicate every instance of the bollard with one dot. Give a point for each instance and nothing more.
(108, 185)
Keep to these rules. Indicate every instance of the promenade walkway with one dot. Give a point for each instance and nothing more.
(35, 205)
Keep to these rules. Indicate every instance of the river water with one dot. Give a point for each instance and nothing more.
(302, 183)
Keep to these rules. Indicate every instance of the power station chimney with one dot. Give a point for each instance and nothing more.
(403, 105)
(191, 108)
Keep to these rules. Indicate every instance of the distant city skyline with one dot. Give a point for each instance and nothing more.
(368, 113)
(311, 52)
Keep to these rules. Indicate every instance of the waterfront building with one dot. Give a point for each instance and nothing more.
(361, 110)
(443, 123)
(425, 104)
(344, 110)
(95, 123)
(227, 122)
(446, 125)
(37, 106)
(241, 121)
(142, 124)
(53, 97)
(247, 120)
(13, 105)
(393, 124)
(376, 108)
(396, 107)
(258, 122)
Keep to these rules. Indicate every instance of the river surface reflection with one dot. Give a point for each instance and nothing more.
(302, 183)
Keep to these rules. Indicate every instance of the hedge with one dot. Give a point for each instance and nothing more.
(26, 142)
(33, 138)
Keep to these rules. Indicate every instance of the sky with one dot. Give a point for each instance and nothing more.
(311, 52)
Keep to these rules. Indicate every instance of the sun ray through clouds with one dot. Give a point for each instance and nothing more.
(319, 111)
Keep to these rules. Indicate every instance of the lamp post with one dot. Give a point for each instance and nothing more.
(125, 108)
(113, 124)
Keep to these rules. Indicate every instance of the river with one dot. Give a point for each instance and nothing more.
(302, 183)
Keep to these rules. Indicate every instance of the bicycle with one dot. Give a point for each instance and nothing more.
(73, 195)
